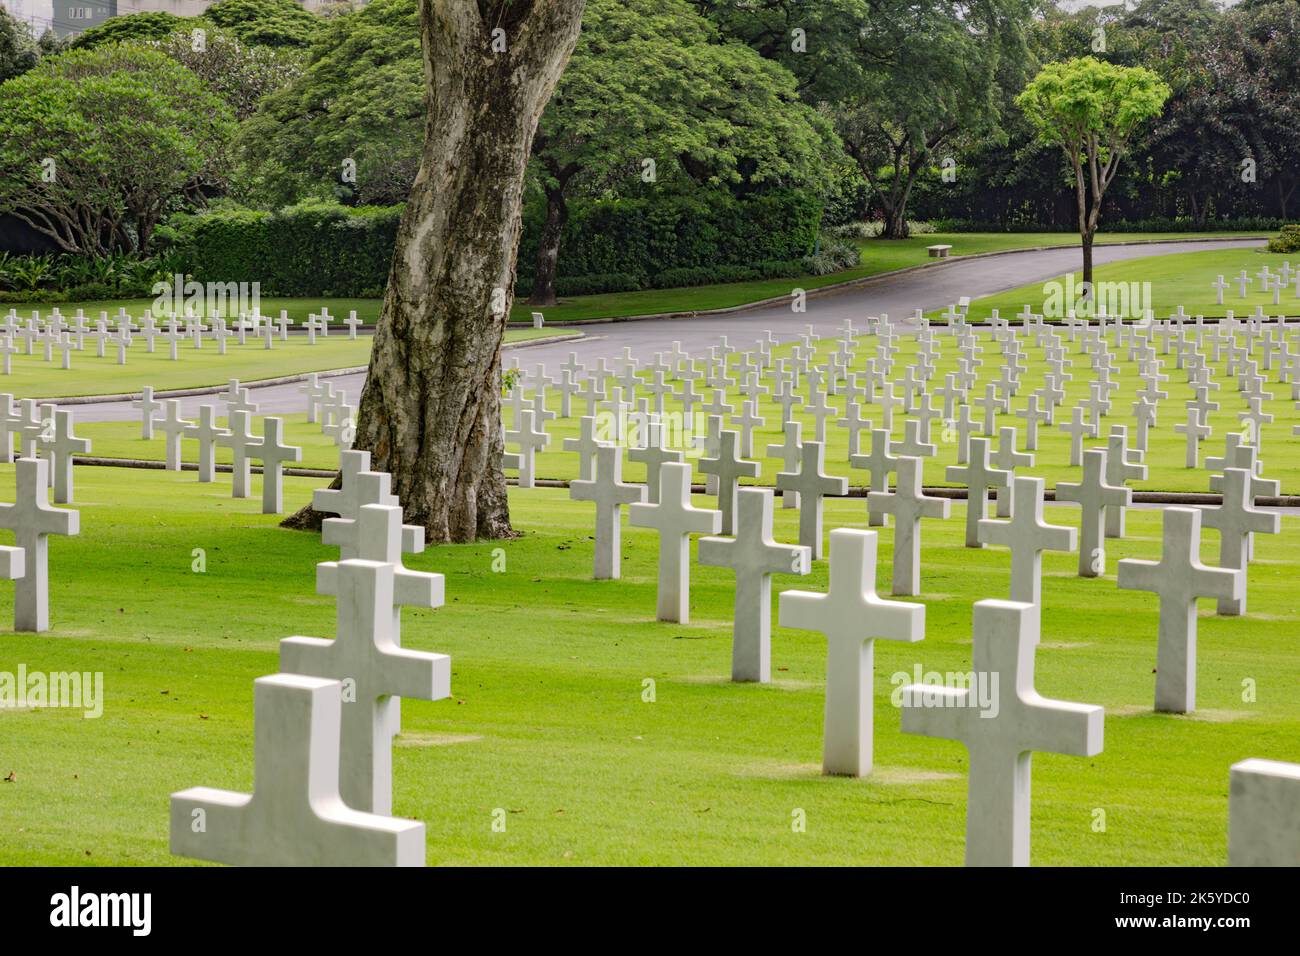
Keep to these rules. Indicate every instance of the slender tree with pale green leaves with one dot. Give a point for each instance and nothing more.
(1092, 110)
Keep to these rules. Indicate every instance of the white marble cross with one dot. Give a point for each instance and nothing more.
(1179, 578)
(206, 432)
(812, 484)
(585, 445)
(728, 467)
(676, 519)
(358, 487)
(908, 504)
(1078, 429)
(272, 452)
(60, 448)
(1093, 495)
(1002, 732)
(652, 454)
(1195, 430)
(1007, 458)
(755, 557)
(242, 443)
(1028, 536)
(32, 520)
(789, 451)
(1236, 519)
(879, 465)
(295, 815)
(1264, 813)
(609, 493)
(1120, 468)
(173, 428)
(978, 478)
(147, 407)
(852, 617)
(367, 656)
(530, 439)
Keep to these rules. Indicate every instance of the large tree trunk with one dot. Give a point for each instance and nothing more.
(430, 413)
(1087, 264)
(548, 250)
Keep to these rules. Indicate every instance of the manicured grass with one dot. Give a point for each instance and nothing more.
(548, 719)
(1184, 279)
(878, 255)
(33, 377)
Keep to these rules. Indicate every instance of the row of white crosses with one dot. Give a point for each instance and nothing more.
(46, 431)
(1269, 281)
(69, 335)
(998, 816)
(329, 408)
(324, 726)
(269, 448)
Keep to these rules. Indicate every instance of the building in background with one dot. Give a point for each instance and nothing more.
(70, 17)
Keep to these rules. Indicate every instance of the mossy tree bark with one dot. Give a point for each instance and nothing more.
(430, 411)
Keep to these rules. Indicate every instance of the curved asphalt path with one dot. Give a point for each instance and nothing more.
(934, 287)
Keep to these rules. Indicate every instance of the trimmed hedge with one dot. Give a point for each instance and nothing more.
(646, 237)
(322, 249)
(609, 245)
(1243, 224)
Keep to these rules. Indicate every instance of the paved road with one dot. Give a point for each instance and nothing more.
(935, 287)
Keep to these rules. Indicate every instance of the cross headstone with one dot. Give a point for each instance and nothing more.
(908, 504)
(852, 617)
(978, 477)
(1078, 428)
(812, 484)
(273, 453)
(585, 445)
(1093, 495)
(879, 465)
(1002, 733)
(367, 656)
(788, 451)
(1119, 470)
(1028, 535)
(173, 428)
(609, 493)
(206, 432)
(295, 815)
(32, 521)
(1179, 578)
(755, 557)
(242, 443)
(1235, 520)
(530, 439)
(676, 519)
(728, 467)
(652, 454)
(148, 407)
(63, 444)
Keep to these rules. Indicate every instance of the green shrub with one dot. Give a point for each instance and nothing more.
(314, 249)
(599, 284)
(1287, 241)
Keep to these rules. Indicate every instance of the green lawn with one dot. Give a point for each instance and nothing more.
(878, 255)
(547, 719)
(1183, 279)
(33, 377)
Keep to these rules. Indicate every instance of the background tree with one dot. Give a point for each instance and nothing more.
(18, 50)
(650, 81)
(240, 73)
(151, 25)
(1091, 110)
(901, 79)
(360, 97)
(97, 145)
(282, 23)
(430, 414)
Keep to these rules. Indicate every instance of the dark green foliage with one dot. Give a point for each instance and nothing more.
(320, 249)
(133, 26)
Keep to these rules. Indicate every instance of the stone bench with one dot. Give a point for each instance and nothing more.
(938, 252)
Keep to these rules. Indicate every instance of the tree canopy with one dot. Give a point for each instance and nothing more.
(97, 145)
